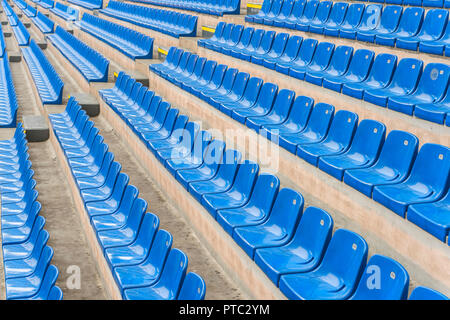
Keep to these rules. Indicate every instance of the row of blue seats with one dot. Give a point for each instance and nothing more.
(212, 7)
(21, 4)
(88, 4)
(45, 24)
(8, 98)
(65, 12)
(91, 64)
(392, 26)
(28, 273)
(139, 255)
(405, 87)
(386, 169)
(172, 23)
(425, 3)
(2, 43)
(269, 224)
(20, 32)
(47, 81)
(130, 42)
(30, 11)
(46, 4)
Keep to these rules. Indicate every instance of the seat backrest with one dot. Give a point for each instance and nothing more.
(229, 78)
(322, 56)
(214, 153)
(229, 165)
(173, 273)
(300, 112)
(226, 34)
(424, 293)
(240, 83)
(286, 9)
(265, 8)
(279, 44)
(55, 294)
(147, 231)
(411, 20)
(353, 16)
(310, 10)
(298, 9)
(159, 250)
(371, 17)
(245, 177)
(340, 60)
(292, 47)
(276, 7)
(219, 74)
(390, 17)
(283, 103)
(407, 74)
(323, 11)
(360, 64)
(267, 41)
(218, 30)
(246, 37)
(342, 128)
(382, 69)
(382, 279)
(267, 95)
(252, 90)
(434, 23)
(432, 167)
(345, 257)
(434, 81)
(368, 139)
(320, 118)
(256, 39)
(208, 70)
(337, 14)
(264, 193)
(307, 50)
(236, 34)
(287, 210)
(193, 288)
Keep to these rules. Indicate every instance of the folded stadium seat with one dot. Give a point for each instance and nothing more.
(335, 18)
(321, 17)
(337, 275)
(147, 271)
(179, 67)
(206, 76)
(277, 115)
(426, 183)
(433, 3)
(279, 227)
(212, 81)
(304, 252)
(363, 151)
(171, 62)
(389, 21)
(409, 25)
(285, 12)
(226, 34)
(275, 9)
(288, 55)
(170, 141)
(435, 112)
(440, 46)
(47, 81)
(256, 210)
(239, 193)
(369, 20)
(217, 34)
(424, 293)
(304, 57)
(315, 130)
(234, 94)
(193, 288)
(46, 4)
(65, 12)
(8, 101)
(264, 47)
(309, 13)
(432, 29)
(379, 76)
(225, 87)
(183, 71)
(262, 13)
(357, 71)
(168, 284)
(392, 283)
(194, 75)
(30, 11)
(48, 290)
(242, 43)
(223, 179)
(43, 23)
(291, 21)
(404, 82)
(337, 141)
(231, 7)
(393, 165)
(337, 67)
(232, 41)
(246, 52)
(134, 253)
(262, 106)
(247, 100)
(319, 62)
(431, 88)
(432, 217)
(276, 51)
(350, 22)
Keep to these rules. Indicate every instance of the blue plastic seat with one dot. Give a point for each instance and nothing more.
(389, 21)
(285, 12)
(277, 50)
(322, 14)
(279, 227)
(217, 34)
(369, 20)
(304, 252)
(439, 46)
(424, 293)
(436, 111)
(235, 94)
(261, 51)
(335, 18)
(404, 82)
(393, 166)
(431, 88)
(426, 183)
(244, 41)
(315, 130)
(319, 62)
(275, 10)
(363, 151)
(337, 141)
(380, 76)
(357, 71)
(256, 210)
(238, 194)
(408, 26)
(193, 288)
(296, 13)
(308, 15)
(351, 20)
(432, 29)
(259, 17)
(337, 275)
(168, 285)
(304, 57)
(290, 53)
(392, 280)
(433, 217)
(249, 97)
(246, 52)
